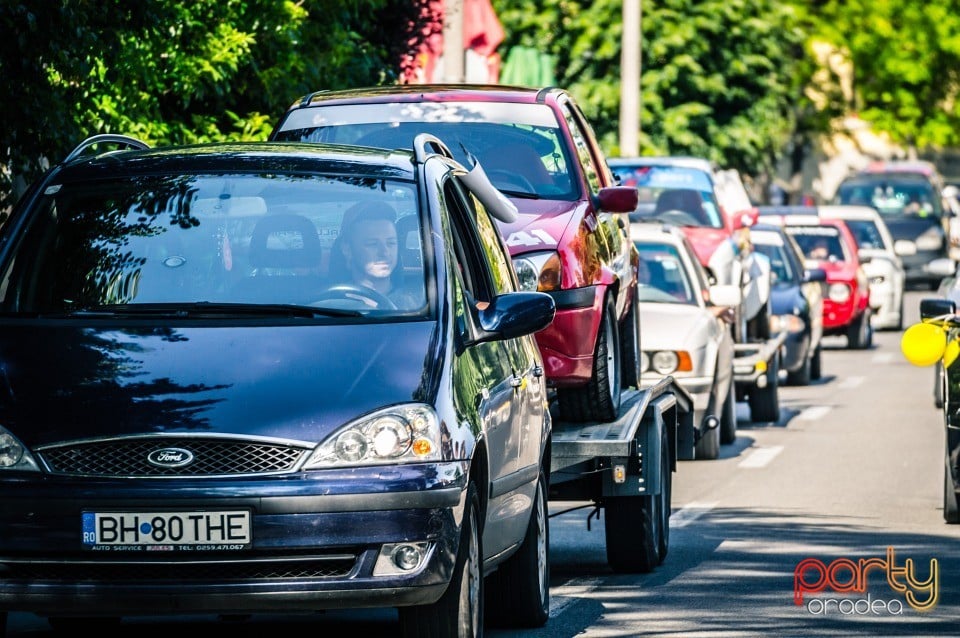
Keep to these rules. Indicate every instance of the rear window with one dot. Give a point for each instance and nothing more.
(674, 194)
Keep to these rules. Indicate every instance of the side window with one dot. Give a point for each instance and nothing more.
(582, 144)
(471, 258)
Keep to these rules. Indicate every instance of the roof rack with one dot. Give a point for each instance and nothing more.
(125, 141)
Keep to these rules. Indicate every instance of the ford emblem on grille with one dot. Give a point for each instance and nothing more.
(170, 457)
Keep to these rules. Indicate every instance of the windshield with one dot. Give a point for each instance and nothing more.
(820, 243)
(255, 240)
(662, 276)
(678, 195)
(781, 270)
(867, 234)
(519, 145)
(892, 197)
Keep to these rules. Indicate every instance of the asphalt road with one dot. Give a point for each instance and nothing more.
(852, 471)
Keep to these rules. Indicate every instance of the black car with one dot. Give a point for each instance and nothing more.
(796, 302)
(270, 377)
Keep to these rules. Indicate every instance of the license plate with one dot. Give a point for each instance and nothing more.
(167, 531)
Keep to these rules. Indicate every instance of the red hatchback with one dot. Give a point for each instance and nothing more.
(829, 244)
(570, 239)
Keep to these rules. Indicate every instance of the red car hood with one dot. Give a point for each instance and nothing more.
(541, 224)
(705, 240)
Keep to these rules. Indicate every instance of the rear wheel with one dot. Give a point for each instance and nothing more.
(765, 402)
(518, 593)
(951, 511)
(599, 399)
(630, 346)
(859, 333)
(802, 375)
(728, 418)
(816, 371)
(459, 612)
(708, 446)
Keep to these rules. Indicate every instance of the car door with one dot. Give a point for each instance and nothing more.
(507, 395)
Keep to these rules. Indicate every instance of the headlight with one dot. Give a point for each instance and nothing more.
(538, 271)
(667, 361)
(838, 293)
(401, 434)
(14, 455)
(786, 323)
(931, 239)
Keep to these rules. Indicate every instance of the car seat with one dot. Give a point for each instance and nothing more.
(683, 199)
(285, 254)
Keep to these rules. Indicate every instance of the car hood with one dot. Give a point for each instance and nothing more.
(705, 241)
(909, 227)
(541, 224)
(836, 270)
(673, 326)
(301, 383)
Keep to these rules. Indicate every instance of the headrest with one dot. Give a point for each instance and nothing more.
(284, 241)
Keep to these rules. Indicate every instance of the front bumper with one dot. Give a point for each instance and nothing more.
(315, 544)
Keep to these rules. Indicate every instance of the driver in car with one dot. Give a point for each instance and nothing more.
(369, 249)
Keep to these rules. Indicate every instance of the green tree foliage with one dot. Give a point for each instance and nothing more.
(181, 71)
(905, 59)
(721, 79)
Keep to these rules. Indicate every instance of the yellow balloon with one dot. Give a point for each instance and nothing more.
(923, 344)
(951, 353)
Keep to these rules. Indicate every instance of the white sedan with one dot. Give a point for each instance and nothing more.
(685, 332)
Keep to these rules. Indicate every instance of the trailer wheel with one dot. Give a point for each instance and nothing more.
(638, 527)
(765, 402)
(459, 612)
(518, 593)
(951, 511)
(599, 399)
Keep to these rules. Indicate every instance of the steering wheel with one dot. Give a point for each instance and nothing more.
(368, 297)
(507, 178)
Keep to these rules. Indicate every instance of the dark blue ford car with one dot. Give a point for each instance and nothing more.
(271, 377)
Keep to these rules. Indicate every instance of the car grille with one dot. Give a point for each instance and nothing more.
(213, 571)
(123, 458)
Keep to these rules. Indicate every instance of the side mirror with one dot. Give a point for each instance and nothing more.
(934, 307)
(814, 275)
(904, 247)
(516, 314)
(725, 295)
(617, 199)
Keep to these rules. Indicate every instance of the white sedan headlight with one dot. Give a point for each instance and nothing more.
(401, 434)
(786, 323)
(839, 293)
(931, 239)
(14, 455)
(538, 271)
(665, 361)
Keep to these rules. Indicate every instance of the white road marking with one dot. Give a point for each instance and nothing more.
(814, 413)
(571, 592)
(850, 382)
(761, 456)
(690, 513)
(882, 357)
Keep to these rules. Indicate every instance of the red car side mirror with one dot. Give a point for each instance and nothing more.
(617, 199)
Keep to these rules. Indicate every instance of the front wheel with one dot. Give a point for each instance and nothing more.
(951, 511)
(599, 399)
(816, 363)
(765, 402)
(518, 593)
(728, 419)
(459, 612)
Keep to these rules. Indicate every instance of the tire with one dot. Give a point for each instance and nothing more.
(598, 400)
(859, 333)
(638, 527)
(728, 418)
(899, 325)
(765, 402)
(802, 375)
(759, 327)
(459, 612)
(816, 365)
(951, 511)
(630, 346)
(707, 447)
(518, 593)
(938, 385)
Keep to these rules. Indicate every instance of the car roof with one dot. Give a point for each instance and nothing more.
(283, 157)
(436, 92)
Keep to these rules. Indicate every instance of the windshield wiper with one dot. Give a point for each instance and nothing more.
(520, 194)
(199, 308)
